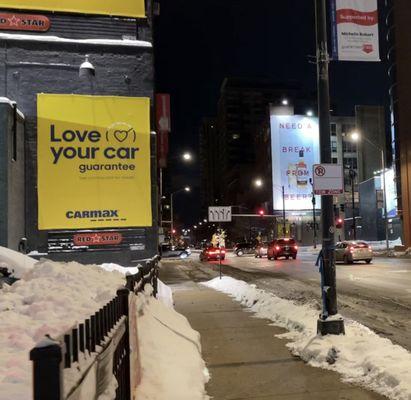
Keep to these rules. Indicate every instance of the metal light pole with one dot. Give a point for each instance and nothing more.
(326, 325)
(187, 189)
(387, 242)
(354, 224)
(284, 227)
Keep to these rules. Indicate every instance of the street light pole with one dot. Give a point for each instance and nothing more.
(325, 325)
(284, 227)
(172, 214)
(354, 224)
(387, 242)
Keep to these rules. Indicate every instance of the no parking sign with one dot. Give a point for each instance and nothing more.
(328, 179)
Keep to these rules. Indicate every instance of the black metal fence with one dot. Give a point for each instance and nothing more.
(100, 345)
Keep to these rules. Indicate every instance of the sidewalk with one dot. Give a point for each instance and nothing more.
(245, 359)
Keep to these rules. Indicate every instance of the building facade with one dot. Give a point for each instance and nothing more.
(119, 50)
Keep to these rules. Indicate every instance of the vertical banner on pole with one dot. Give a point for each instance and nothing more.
(355, 30)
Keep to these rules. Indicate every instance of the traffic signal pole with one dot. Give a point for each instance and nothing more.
(328, 322)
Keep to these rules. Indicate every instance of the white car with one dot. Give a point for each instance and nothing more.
(353, 250)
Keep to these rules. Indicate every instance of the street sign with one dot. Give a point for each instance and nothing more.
(219, 214)
(328, 179)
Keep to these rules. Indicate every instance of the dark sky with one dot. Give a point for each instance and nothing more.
(199, 43)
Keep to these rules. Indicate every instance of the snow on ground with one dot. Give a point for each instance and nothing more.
(48, 299)
(170, 352)
(15, 262)
(361, 356)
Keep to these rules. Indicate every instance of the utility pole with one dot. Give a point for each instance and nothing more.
(325, 324)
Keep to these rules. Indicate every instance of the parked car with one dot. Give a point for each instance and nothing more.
(350, 251)
(243, 248)
(212, 253)
(261, 250)
(285, 247)
(169, 250)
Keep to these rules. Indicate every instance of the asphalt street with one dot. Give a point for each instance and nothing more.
(377, 295)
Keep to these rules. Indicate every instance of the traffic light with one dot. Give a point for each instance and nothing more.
(339, 223)
(342, 207)
(261, 212)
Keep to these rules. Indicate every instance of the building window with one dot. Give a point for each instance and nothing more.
(333, 129)
(334, 146)
(350, 163)
(334, 160)
(347, 128)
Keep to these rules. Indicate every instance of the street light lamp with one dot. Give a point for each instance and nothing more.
(187, 156)
(258, 182)
(355, 136)
(309, 113)
(284, 102)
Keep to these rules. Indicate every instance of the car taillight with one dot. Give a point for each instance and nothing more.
(222, 251)
(370, 247)
(277, 247)
(296, 247)
(351, 249)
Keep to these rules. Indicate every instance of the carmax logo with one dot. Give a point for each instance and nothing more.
(92, 214)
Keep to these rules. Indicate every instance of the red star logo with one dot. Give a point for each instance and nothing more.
(14, 21)
(96, 238)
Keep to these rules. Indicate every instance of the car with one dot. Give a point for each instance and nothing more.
(349, 251)
(212, 253)
(242, 248)
(169, 250)
(261, 250)
(284, 247)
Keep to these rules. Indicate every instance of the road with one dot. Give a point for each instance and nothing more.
(377, 295)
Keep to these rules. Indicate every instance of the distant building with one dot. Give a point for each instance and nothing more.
(242, 111)
(120, 63)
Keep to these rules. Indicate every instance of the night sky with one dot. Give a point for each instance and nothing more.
(199, 43)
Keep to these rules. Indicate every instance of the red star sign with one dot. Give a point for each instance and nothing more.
(14, 21)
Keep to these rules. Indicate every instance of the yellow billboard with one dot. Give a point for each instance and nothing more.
(93, 161)
(124, 8)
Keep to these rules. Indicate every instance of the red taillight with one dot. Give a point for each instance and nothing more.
(296, 247)
(277, 247)
(222, 251)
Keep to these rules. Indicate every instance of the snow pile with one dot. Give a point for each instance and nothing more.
(110, 267)
(15, 262)
(48, 299)
(360, 356)
(170, 353)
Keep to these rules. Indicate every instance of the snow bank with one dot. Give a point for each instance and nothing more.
(170, 353)
(360, 356)
(49, 298)
(15, 262)
(110, 267)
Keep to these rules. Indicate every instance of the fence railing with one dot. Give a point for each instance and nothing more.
(92, 350)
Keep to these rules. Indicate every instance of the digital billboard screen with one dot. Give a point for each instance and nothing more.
(294, 150)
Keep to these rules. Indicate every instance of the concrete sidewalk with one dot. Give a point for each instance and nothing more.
(245, 359)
